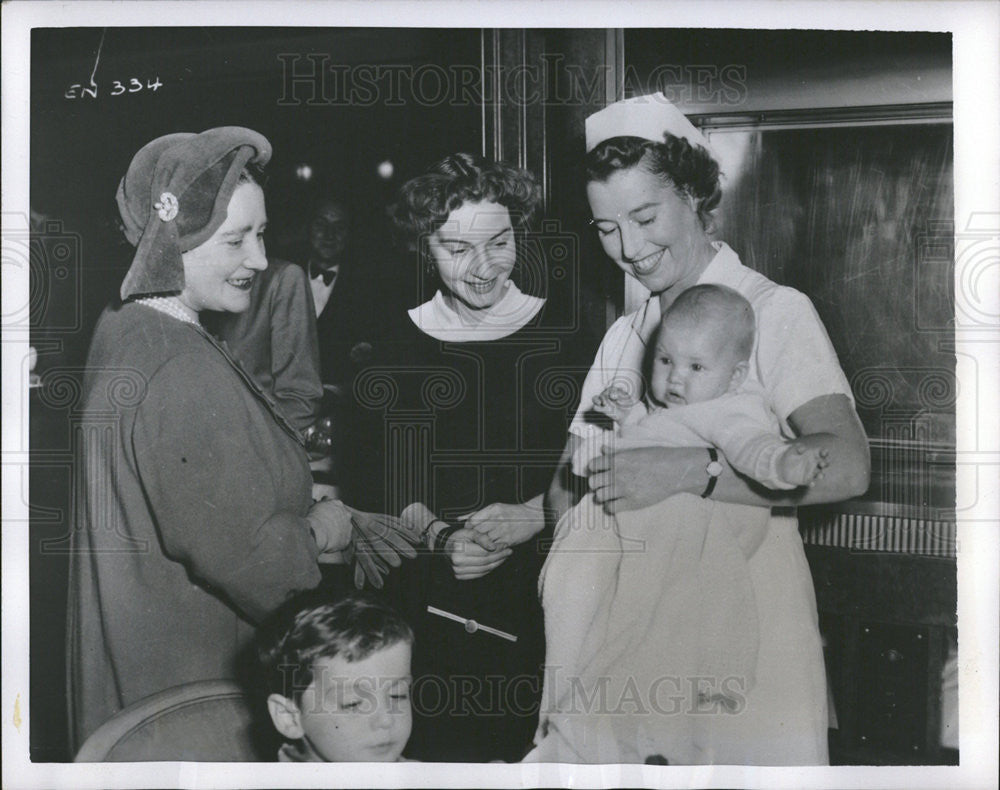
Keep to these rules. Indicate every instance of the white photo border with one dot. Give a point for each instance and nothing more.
(977, 165)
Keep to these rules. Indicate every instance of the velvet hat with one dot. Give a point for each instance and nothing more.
(175, 196)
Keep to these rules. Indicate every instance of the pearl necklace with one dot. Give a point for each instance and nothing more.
(169, 305)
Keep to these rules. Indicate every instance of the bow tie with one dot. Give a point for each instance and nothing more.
(328, 275)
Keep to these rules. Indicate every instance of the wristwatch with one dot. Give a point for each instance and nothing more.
(713, 470)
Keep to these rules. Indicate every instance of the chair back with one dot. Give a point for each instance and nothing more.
(208, 721)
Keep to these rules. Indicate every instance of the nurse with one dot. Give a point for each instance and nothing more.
(652, 187)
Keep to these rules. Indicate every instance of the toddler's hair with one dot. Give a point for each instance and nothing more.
(722, 305)
(311, 626)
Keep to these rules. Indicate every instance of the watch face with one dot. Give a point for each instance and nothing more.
(714, 469)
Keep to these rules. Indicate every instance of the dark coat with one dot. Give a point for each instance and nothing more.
(190, 522)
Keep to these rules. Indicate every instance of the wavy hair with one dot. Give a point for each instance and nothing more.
(689, 169)
(425, 202)
(311, 626)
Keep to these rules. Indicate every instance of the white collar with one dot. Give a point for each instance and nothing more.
(510, 312)
(723, 260)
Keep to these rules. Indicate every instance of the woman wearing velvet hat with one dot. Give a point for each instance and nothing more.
(652, 185)
(194, 510)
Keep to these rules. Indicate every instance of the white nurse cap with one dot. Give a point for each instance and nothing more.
(647, 117)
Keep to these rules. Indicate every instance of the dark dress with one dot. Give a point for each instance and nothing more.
(458, 426)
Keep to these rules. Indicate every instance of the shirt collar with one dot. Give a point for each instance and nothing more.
(511, 312)
(725, 262)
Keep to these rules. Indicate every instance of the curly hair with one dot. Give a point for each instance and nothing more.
(311, 626)
(426, 201)
(689, 169)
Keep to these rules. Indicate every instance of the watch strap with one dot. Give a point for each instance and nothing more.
(441, 539)
(713, 455)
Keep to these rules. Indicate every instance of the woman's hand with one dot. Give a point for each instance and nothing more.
(640, 477)
(508, 524)
(632, 479)
(472, 554)
(330, 522)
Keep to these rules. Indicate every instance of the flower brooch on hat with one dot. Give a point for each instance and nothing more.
(166, 207)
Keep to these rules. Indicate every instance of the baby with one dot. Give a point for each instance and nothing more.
(666, 587)
(339, 680)
(700, 356)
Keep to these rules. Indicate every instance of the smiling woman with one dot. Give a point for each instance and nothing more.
(474, 254)
(219, 273)
(460, 409)
(655, 234)
(195, 517)
(652, 184)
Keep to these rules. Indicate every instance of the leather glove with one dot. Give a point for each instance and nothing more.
(378, 542)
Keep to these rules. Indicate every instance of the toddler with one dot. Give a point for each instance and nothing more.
(339, 680)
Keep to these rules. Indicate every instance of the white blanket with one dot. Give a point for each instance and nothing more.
(651, 629)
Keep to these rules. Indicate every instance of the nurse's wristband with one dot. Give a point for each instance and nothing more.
(713, 470)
